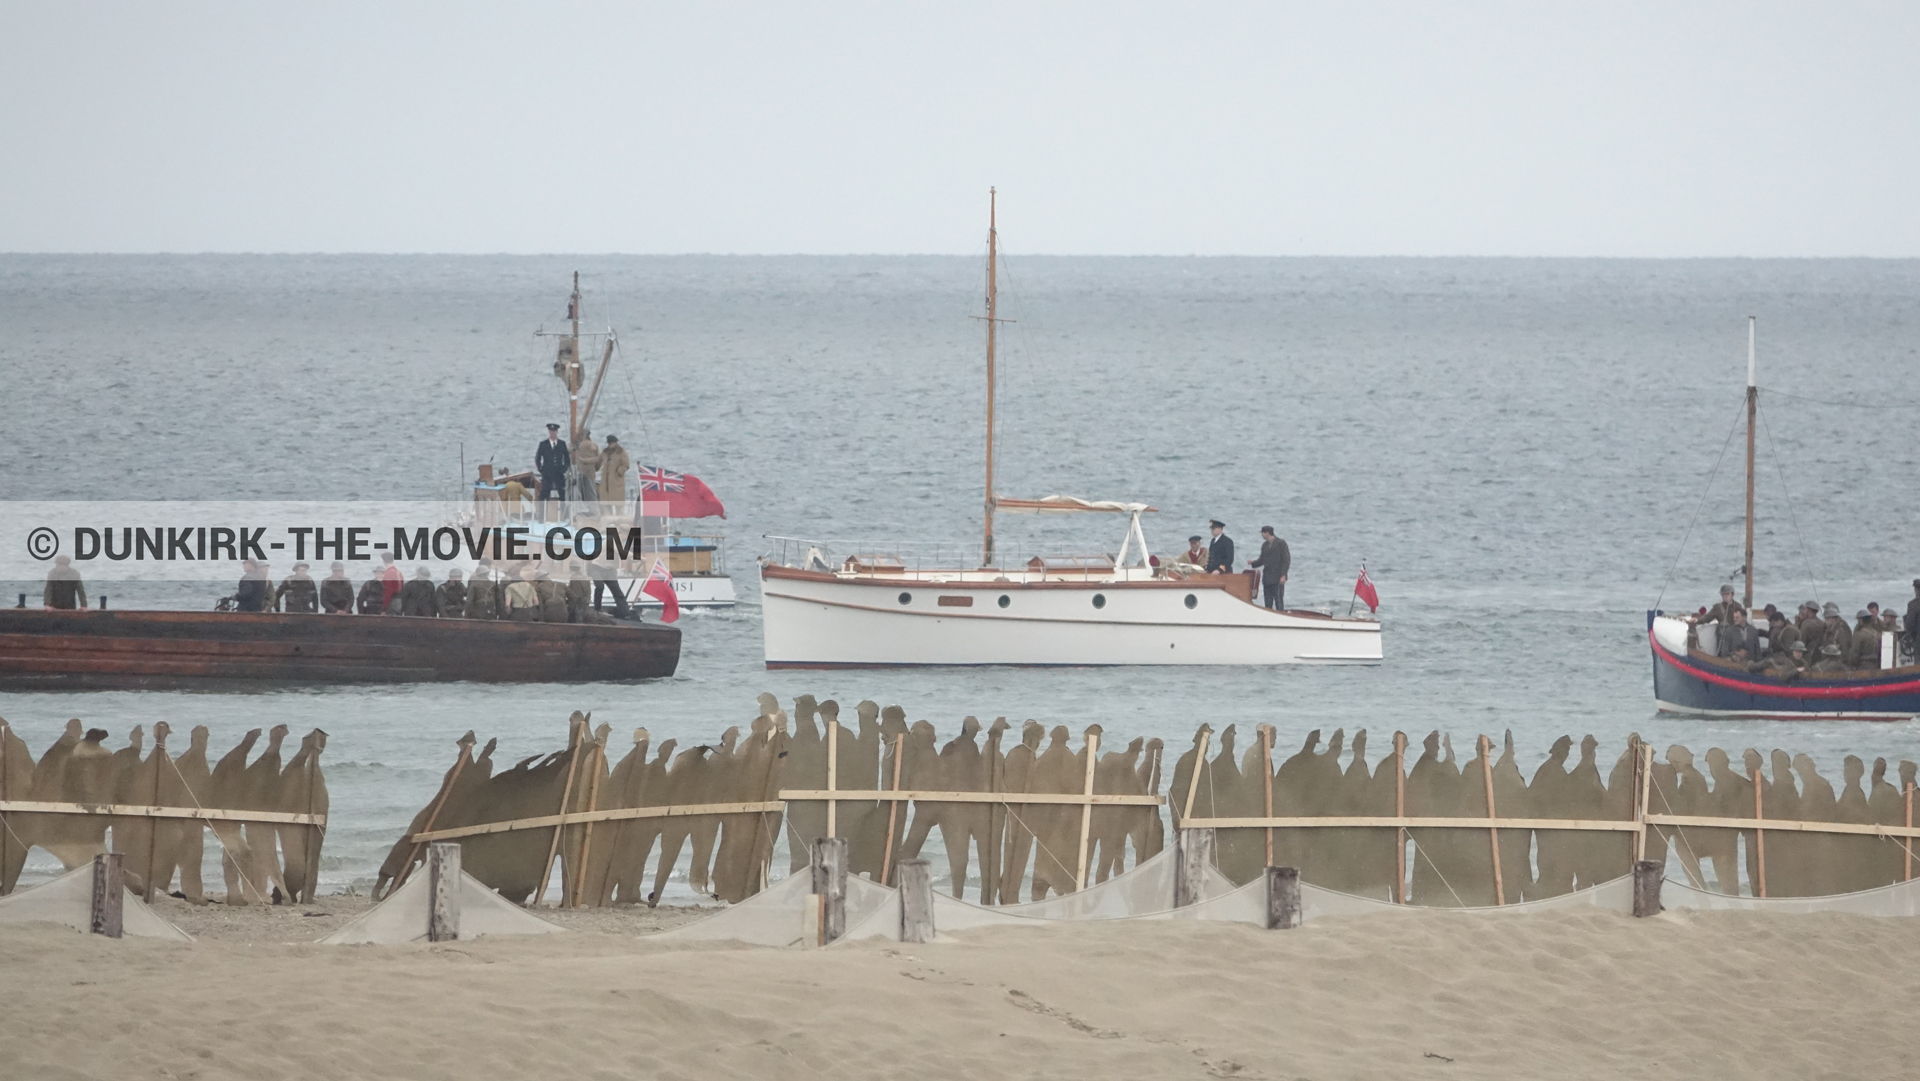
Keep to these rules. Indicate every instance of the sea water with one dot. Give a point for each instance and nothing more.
(1514, 449)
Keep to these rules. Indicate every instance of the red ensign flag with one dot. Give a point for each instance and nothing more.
(1364, 590)
(685, 495)
(660, 587)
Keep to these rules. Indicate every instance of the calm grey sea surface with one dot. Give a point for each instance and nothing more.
(1515, 449)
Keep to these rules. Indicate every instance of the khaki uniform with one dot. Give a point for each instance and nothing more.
(481, 601)
(1780, 640)
(1837, 633)
(614, 464)
(579, 598)
(1722, 612)
(586, 460)
(336, 595)
(1782, 666)
(450, 600)
(1865, 650)
(553, 600)
(1828, 666)
(298, 594)
(523, 602)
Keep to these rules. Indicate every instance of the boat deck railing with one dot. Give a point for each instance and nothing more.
(867, 558)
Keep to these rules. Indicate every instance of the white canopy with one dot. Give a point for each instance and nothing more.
(1060, 504)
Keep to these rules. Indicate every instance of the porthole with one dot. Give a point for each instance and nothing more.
(1192, 601)
(1099, 600)
(1005, 600)
(906, 598)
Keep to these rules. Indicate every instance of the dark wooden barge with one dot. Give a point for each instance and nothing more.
(152, 649)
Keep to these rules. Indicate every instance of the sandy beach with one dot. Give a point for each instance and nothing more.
(1568, 994)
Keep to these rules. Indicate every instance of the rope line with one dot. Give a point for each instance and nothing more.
(1704, 492)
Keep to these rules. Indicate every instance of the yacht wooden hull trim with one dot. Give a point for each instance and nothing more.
(816, 619)
(145, 649)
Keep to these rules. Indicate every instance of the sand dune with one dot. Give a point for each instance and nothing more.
(1564, 994)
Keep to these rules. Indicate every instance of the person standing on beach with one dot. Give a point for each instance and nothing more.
(64, 588)
(1273, 561)
(1220, 551)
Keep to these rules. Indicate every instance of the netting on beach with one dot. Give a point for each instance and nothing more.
(402, 917)
(1900, 899)
(68, 901)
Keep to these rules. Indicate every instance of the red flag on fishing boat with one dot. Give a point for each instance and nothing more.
(660, 587)
(685, 495)
(1363, 589)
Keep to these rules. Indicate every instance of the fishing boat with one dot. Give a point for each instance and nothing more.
(828, 604)
(1690, 680)
(129, 649)
(695, 555)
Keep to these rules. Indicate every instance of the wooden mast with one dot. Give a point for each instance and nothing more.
(993, 252)
(573, 377)
(1753, 407)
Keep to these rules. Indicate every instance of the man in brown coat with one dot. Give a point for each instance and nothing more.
(614, 464)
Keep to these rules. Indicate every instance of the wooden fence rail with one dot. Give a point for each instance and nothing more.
(135, 810)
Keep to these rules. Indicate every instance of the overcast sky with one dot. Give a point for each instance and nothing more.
(1669, 129)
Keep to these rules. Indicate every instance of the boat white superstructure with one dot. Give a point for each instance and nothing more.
(878, 606)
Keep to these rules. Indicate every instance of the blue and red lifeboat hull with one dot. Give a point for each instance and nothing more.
(1698, 686)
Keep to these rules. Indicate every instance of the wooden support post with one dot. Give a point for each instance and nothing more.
(576, 731)
(1190, 867)
(1400, 811)
(916, 901)
(833, 777)
(1283, 898)
(1086, 809)
(443, 892)
(830, 885)
(1906, 875)
(1193, 779)
(1493, 832)
(596, 755)
(893, 811)
(1266, 781)
(433, 816)
(1641, 793)
(153, 827)
(1759, 875)
(316, 836)
(6, 832)
(109, 894)
(1647, 876)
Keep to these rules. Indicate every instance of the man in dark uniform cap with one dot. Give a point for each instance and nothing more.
(1220, 552)
(552, 459)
